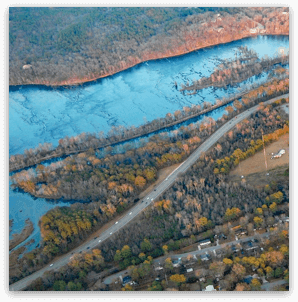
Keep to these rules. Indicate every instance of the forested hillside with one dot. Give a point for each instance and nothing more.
(57, 46)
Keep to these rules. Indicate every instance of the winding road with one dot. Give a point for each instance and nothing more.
(146, 201)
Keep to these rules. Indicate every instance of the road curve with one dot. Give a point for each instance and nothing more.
(146, 201)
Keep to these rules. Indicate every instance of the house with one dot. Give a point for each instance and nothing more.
(254, 30)
(204, 242)
(279, 154)
(235, 249)
(126, 280)
(241, 231)
(176, 262)
(222, 236)
(247, 279)
(205, 257)
(209, 288)
(27, 66)
(250, 245)
(158, 268)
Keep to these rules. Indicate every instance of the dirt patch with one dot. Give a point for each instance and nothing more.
(254, 169)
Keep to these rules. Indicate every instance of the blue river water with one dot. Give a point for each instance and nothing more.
(39, 114)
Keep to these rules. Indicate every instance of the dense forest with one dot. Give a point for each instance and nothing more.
(60, 46)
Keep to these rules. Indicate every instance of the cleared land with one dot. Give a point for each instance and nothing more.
(254, 169)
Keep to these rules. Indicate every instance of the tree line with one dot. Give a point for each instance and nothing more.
(235, 72)
(85, 141)
(64, 46)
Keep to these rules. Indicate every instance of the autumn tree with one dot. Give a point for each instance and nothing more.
(239, 270)
(178, 279)
(140, 181)
(255, 284)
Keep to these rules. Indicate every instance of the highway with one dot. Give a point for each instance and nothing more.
(146, 201)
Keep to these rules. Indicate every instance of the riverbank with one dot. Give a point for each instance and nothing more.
(146, 58)
(25, 233)
(154, 125)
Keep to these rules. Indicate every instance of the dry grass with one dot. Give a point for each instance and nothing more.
(254, 169)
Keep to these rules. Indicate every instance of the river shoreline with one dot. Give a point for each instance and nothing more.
(94, 79)
(22, 236)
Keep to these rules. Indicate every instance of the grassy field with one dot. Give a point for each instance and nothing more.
(254, 168)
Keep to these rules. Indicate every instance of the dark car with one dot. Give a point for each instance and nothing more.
(88, 247)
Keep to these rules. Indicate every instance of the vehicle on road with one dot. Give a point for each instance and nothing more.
(95, 237)
(151, 199)
(88, 247)
(52, 264)
(147, 197)
(130, 213)
(111, 233)
(116, 222)
(99, 240)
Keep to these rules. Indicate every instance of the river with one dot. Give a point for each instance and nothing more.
(39, 114)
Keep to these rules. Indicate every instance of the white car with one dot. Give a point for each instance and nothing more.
(52, 264)
(151, 199)
(99, 240)
(111, 233)
(147, 197)
(130, 213)
(116, 222)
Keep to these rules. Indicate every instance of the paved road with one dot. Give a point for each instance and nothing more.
(269, 286)
(162, 187)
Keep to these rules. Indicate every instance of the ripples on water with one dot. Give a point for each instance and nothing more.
(38, 114)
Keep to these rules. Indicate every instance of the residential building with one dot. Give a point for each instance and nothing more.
(209, 288)
(204, 242)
